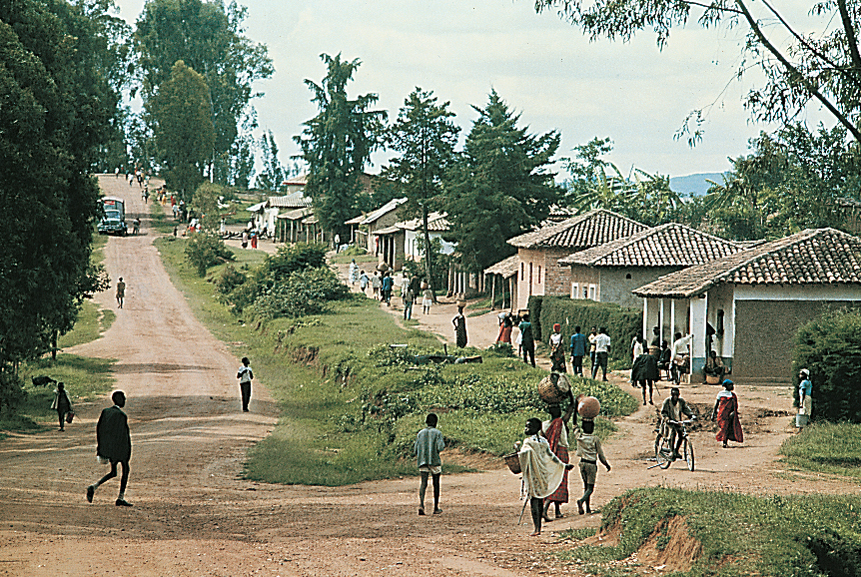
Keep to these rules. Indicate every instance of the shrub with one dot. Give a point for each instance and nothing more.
(293, 258)
(621, 323)
(830, 346)
(229, 279)
(303, 293)
(204, 250)
(11, 391)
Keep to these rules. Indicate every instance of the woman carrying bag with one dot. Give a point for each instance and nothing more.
(62, 405)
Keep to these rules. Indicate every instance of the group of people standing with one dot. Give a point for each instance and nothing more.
(525, 340)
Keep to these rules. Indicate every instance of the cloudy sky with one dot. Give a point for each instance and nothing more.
(541, 66)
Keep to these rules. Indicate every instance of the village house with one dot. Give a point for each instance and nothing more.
(609, 272)
(539, 252)
(400, 242)
(748, 306)
(379, 219)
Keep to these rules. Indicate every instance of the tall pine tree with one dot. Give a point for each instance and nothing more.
(500, 186)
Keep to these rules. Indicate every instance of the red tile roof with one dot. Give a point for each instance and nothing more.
(669, 244)
(593, 228)
(809, 257)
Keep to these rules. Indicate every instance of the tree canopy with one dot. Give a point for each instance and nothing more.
(56, 110)
(337, 143)
(500, 186)
(208, 38)
(184, 131)
(810, 56)
(425, 137)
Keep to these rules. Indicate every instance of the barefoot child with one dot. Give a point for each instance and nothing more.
(589, 450)
(428, 445)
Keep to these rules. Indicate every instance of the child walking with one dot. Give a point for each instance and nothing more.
(428, 445)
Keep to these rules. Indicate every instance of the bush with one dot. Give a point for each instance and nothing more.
(293, 258)
(830, 347)
(303, 293)
(11, 391)
(204, 250)
(229, 279)
(621, 323)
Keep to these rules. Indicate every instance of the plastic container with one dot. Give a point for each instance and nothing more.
(800, 420)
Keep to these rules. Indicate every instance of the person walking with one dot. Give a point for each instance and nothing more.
(429, 443)
(644, 373)
(408, 297)
(542, 471)
(527, 342)
(602, 352)
(376, 283)
(121, 292)
(113, 445)
(386, 288)
(245, 375)
(579, 344)
(593, 334)
(805, 390)
(363, 282)
(556, 432)
(505, 326)
(427, 300)
(459, 323)
(354, 272)
(557, 350)
(61, 404)
(590, 451)
(725, 414)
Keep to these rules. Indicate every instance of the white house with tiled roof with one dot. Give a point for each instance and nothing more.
(757, 299)
(399, 242)
(609, 272)
(539, 251)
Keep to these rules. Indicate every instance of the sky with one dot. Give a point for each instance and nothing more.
(545, 69)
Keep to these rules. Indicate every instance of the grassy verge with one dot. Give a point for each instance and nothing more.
(352, 404)
(91, 323)
(824, 447)
(737, 535)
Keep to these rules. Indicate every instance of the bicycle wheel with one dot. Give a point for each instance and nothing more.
(689, 454)
(663, 453)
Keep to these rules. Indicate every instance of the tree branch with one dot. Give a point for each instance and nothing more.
(803, 41)
(796, 74)
(850, 36)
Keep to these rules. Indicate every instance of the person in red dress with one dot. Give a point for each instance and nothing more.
(726, 415)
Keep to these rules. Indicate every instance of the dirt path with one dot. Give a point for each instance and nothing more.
(194, 516)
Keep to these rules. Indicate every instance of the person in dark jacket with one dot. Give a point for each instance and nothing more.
(644, 373)
(114, 445)
(62, 404)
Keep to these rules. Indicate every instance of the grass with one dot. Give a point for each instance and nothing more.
(85, 378)
(740, 535)
(823, 447)
(360, 255)
(351, 406)
(91, 323)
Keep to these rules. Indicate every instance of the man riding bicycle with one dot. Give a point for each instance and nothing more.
(674, 410)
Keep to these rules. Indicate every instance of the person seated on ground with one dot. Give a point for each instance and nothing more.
(673, 410)
(714, 368)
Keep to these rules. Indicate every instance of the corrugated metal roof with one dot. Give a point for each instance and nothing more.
(295, 200)
(670, 244)
(809, 257)
(383, 210)
(296, 214)
(594, 228)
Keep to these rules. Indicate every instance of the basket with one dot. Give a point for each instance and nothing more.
(513, 462)
(713, 379)
(553, 388)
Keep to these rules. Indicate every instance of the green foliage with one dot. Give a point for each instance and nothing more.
(208, 37)
(184, 132)
(56, 113)
(425, 137)
(500, 186)
(621, 323)
(229, 279)
(204, 250)
(273, 173)
(830, 347)
(337, 144)
(795, 536)
(830, 448)
(205, 202)
(302, 293)
(641, 196)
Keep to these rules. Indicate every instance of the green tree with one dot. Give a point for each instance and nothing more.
(425, 137)
(208, 37)
(596, 183)
(273, 173)
(56, 110)
(797, 67)
(183, 128)
(337, 144)
(500, 186)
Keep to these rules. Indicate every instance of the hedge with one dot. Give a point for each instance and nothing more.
(621, 323)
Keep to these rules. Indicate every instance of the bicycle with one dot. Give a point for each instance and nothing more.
(664, 452)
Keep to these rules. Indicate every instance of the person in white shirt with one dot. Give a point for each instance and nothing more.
(602, 352)
(245, 375)
(680, 356)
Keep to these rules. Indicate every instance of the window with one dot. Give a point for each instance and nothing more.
(575, 290)
(593, 290)
(539, 275)
(628, 276)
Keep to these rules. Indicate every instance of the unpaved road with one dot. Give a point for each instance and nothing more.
(194, 515)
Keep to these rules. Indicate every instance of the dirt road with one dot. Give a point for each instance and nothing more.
(194, 515)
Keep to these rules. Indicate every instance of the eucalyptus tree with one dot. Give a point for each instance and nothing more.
(425, 136)
(56, 109)
(337, 144)
(273, 173)
(208, 37)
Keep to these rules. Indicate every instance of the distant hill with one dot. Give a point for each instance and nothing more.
(694, 184)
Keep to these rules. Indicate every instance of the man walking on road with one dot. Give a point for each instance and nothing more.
(121, 292)
(113, 445)
(245, 375)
